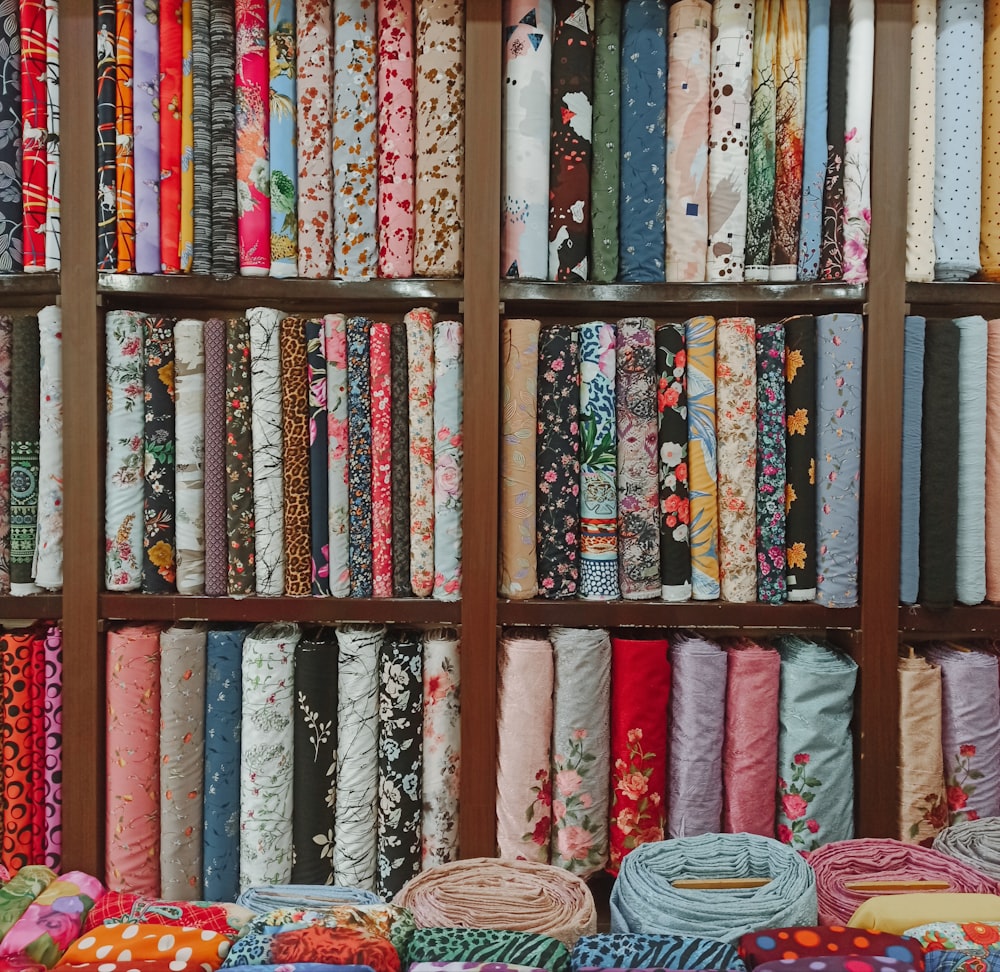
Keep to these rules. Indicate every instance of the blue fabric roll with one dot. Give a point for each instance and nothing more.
(970, 577)
(643, 200)
(223, 714)
(913, 397)
(645, 900)
(814, 155)
(681, 952)
(262, 898)
(945, 960)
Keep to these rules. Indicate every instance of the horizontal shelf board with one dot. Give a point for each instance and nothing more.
(686, 614)
(29, 285)
(971, 294)
(958, 621)
(41, 607)
(312, 610)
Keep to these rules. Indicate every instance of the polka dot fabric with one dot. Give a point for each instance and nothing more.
(120, 907)
(841, 963)
(772, 946)
(920, 174)
(178, 949)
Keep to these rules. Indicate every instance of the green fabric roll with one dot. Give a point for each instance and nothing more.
(604, 163)
(486, 945)
(20, 891)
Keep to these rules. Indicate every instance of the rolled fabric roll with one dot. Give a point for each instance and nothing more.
(522, 896)
(894, 913)
(52, 722)
(52, 219)
(989, 240)
(840, 963)
(920, 164)
(644, 899)
(6, 325)
(48, 563)
(832, 239)
(881, 859)
(170, 14)
(973, 939)
(11, 215)
(767, 947)
(382, 498)
(771, 464)
(337, 944)
(107, 234)
(949, 961)
(146, 149)
(17, 895)
(993, 462)
(973, 842)
(913, 390)
(148, 943)
(225, 233)
(263, 898)
(201, 125)
(319, 507)
(400, 405)
(282, 139)
(420, 349)
(525, 672)
(185, 242)
(114, 907)
(24, 407)
(359, 455)
(295, 455)
(448, 453)
(338, 488)
(486, 945)
(814, 150)
(634, 951)
(604, 175)
(216, 540)
(240, 564)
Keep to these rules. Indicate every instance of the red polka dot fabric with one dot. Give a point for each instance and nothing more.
(832, 942)
(839, 963)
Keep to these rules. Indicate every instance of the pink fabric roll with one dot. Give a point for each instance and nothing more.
(395, 138)
(53, 747)
(132, 857)
(870, 859)
(993, 462)
(750, 750)
(381, 374)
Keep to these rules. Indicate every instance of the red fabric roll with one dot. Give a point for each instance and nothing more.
(335, 946)
(381, 461)
(34, 114)
(640, 694)
(171, 69)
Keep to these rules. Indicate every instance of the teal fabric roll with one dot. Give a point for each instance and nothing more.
(913, 391)
(645, 900)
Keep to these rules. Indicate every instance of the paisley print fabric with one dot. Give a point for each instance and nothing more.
(605, 166)
(295, 462)
(189, 381)
(420, 352)
(359, 437)
(24, 458)
(338, 493)
(448, 450)
(770, 492)
(242, 578)
(282, 139)
(381, 460)
(319, 515)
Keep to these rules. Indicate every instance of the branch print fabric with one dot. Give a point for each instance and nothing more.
(442, 747)
(189, 381)
(241, 569)
(831, 265)
(319, 510)
(770, 491)
(814, 147)
(448, 453)
(338, 447)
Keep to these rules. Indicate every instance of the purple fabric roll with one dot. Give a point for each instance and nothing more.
(146, 137)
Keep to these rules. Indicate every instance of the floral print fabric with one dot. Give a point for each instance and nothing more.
(189, 382)
(48, 565)
(359, 437)
(338, 492)
(857, 143)
(400, 472)
(448, 452)
(442, 747)
(319, 510)
(241, 567)
(971, 938)
(420, 352)
(770, 492)
(282, 138)
(381, 392)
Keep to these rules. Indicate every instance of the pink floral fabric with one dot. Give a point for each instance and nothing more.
(447, 460)
(381, 375)
(420, 357)
(335, 327)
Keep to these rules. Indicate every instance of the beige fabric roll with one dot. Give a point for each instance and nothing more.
(989, 231)
(508, 895)
(920, 167)
(923, 808)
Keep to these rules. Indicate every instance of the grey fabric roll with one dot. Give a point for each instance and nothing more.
(973, 842)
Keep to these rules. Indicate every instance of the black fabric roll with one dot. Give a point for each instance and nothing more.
(400, 399)
(832, 240)
(201, 121)
(241, 546)
(24, 385)
(225, 248)
(107, 211)
(319, 483)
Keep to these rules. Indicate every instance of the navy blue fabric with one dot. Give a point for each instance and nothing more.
(636, 951)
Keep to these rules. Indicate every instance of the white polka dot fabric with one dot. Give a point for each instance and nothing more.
(920, 170)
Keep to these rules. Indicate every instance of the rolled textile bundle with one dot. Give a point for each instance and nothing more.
(319, 505)
(895, 913)
(521, 896)
(831, 265)
(771, 464)
(486, 945)
(840, 963)
(216, 484)
(448, 452)
(525, 669)
(225, 242)
(6, 326)
(107, 233)
(293, 364)
(282, 74)
(993, 462)
(767, 946)
(970, 730)
(923, 805)
(977, 939)
(263, 898)
(335, 946)
(945, 960)
(18, 894)
(881, 859)
(170, 14)
(52, 724)
(145, 235)
(381, 488)
(12, 211)
(696, 727)
(124, 907)
(645, 900)
(606, 138)
(239, 467)
(201, 127)
(189, 390)
(420, 350)
(989, 240)
(974, 842)
(920, 164)
(913, 391)
(48, 566)
(359, 452)
(815, 745)
(581, 747)
(400, 406)
(636, 951)
(338, 485)
(750, 748)
(149, 942)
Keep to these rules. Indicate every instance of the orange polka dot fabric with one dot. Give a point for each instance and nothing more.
(181, 949)
(827, 942)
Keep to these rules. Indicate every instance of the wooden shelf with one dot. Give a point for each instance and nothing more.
(40, 285)
(960, 621)
(42, 607)
(974, 293)
(314, 610)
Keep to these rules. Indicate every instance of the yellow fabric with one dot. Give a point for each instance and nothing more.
(894, 913)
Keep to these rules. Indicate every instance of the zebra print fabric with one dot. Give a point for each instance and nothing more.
(487, 945)
(636, 951)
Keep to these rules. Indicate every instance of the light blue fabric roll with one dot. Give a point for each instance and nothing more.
(605, 951)
(814, 155)
(970, 577)
(913, 396)
(644, 899)
(958, 138)
(643, 201)
(815, 745)
(263, 898)
(840, 349)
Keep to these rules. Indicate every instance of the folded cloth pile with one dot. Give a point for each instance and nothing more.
(973, 842)
(183, 949)
(128, 908)
(263, 898)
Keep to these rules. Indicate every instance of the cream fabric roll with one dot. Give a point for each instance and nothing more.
(857, 157)
(920, 161)
(48, 566)
(189, 400)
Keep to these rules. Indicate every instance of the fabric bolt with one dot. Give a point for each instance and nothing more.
(608, 950)
(832, 239)
(736, 429)
(225, 217)
(992, 457)
(266, 435)
(313, 108)
(185, 242)
(570, 149)
(920, 159)
(354, 135)
(768, 946)
(989, 233)
(292, 362)
(642, 200)
(146, 149)
(159, 549)
(11, 207)
(314, 755)
(354, 853)
(18, 894)
(24, 457)
(123, 477)
(52, 725)
(266, 754)
(700, 334)
(241, 563)
(441, 748)
(557, 462)
(6, 339)
(815, 746)
(969, 939)
(132, 848)
(336, 945)
(487, 945)
(281, 138)
(895, 913)
(201, 129)
(319, 510)
(761, 147)
(837, 963)
(599, 575)
(253, 172)
(771, 462)
(672, 462)
(107, 231)
(381, 392)
(814, 150)
(396, 90)
(147, 942)
(400, 467)
(335, 330)
(400, 766)
(972, 842)
(222, 728)
(525, 674)
(750, 746)
(958, 136)
(728, 141)
(688, 87)
(696, 733)
(359, 439)
(124, 188)
(36, 727)
(581, 741)
(189, 388)
(518, 458)
(606, 134)
(439, 138)
(801, 347)
(525, 134)
(183, 656)
(639, 740)
(130, 908)
(644, 899)
(419, 325)
(265, 898)
(48, 562)
(448, 456)
(913, 390)
(468, 967)
(216, 546)
(840, 349)
(169, 21)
